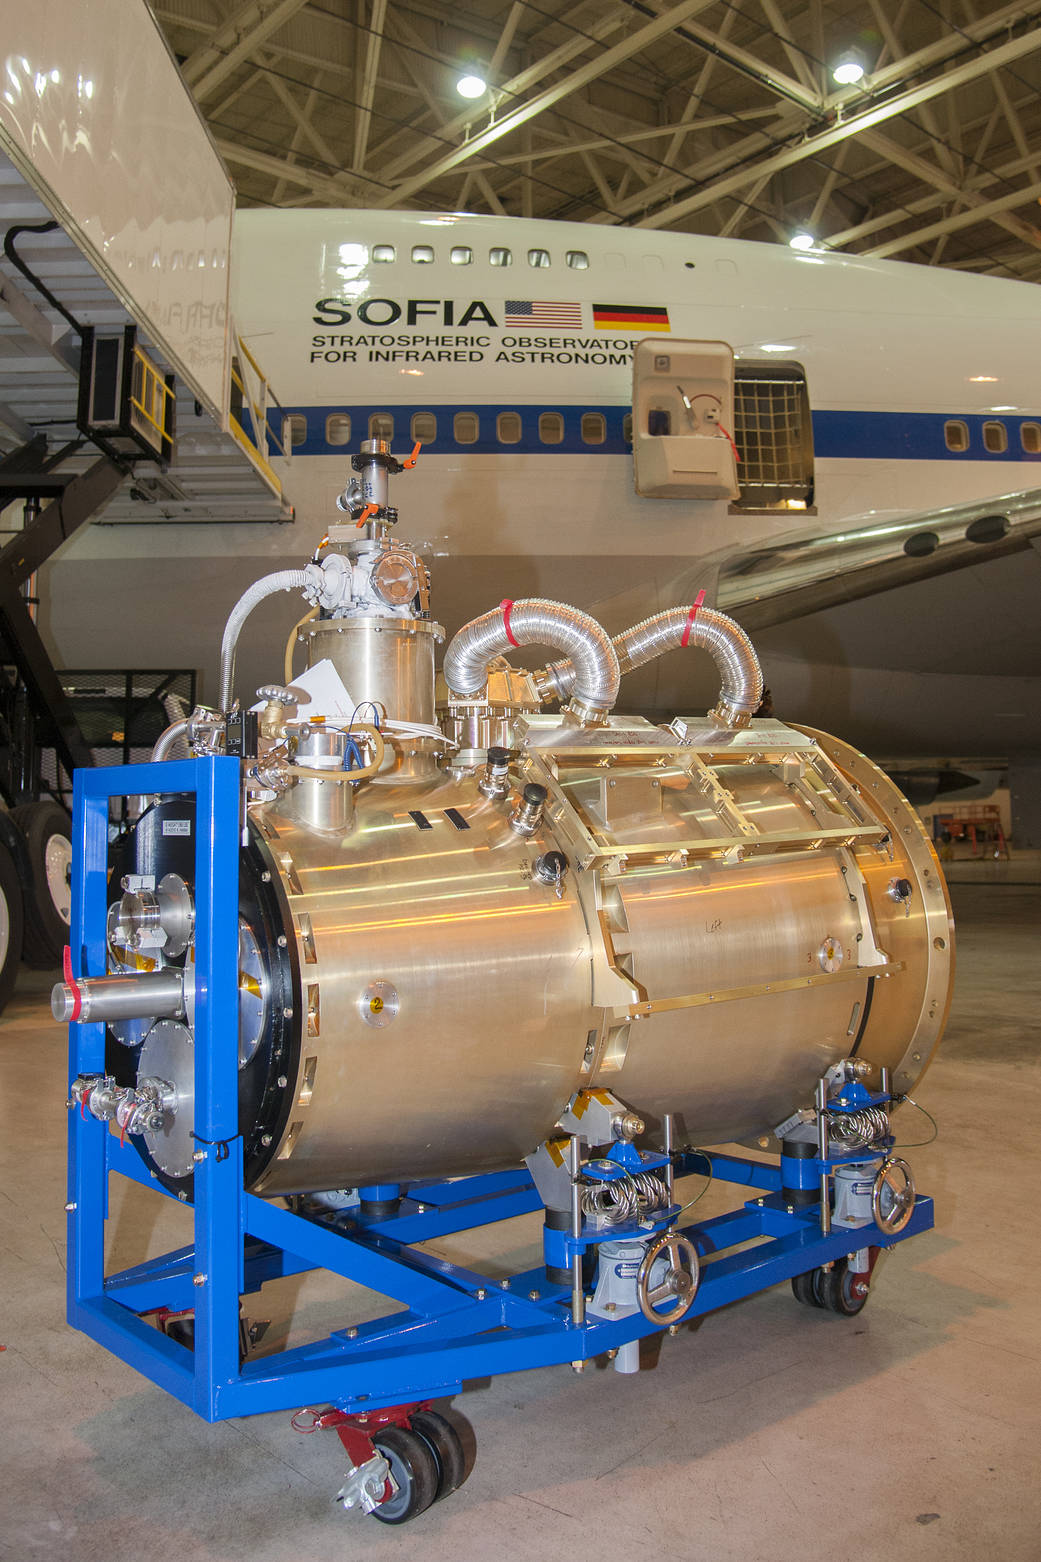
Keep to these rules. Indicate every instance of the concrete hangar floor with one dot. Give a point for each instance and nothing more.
(768, 1430)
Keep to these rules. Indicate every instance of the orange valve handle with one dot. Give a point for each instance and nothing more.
(369, 510)
(414, 457)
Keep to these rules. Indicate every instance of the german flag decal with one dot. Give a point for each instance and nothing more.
(630, 317)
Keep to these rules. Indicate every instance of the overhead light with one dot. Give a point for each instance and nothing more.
(802, 241)
(848, 70)
(470, 86)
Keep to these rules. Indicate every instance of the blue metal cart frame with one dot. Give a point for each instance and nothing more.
(455, 1324)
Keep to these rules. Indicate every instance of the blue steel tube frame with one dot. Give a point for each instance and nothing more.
(455, 1324)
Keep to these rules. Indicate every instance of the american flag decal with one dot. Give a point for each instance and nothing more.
(526, 311)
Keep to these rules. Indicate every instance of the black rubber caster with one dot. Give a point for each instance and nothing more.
(447, 1447)
(842, 1290)
(414, 1472)
(804, 1288)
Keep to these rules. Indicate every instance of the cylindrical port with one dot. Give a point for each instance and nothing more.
(527, 816)
(142, 995)
(496, 779)
(550, 868)
(154, 919)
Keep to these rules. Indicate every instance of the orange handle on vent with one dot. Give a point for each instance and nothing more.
(414, 457)
(369, 510)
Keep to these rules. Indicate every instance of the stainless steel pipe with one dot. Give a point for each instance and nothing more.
(535, 621)
(137, 996)
(741, 686)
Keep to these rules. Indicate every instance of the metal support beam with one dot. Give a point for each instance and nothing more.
(233, 43)
(964, 219)
(363, 116)
(855, 125)
(591, 71)
(83, 497)
(557, 59)
(51, 706)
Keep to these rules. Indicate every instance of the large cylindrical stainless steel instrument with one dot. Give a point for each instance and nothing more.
(437, 954)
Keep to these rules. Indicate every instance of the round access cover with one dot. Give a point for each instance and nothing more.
(168, 1053)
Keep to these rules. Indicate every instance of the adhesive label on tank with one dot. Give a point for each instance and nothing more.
(628, 1270)
(177, 827)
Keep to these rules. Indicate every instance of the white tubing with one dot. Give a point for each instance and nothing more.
(534, 621)
(282, 580)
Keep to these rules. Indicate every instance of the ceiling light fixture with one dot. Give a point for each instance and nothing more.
(471, 86)
(848, 70)
(802, 241)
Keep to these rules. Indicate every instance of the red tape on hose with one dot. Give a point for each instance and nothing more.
(691, 616)
(507, 605)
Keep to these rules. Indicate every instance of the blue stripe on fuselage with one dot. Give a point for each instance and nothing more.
(865, 436)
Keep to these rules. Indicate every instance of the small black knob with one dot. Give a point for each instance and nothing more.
(498, 756)
(901, 889)
(534, 794)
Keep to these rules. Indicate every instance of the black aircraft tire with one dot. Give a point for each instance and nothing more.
(47, 829)
(12, 924)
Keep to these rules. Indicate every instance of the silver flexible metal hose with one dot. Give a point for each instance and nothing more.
(534, 621)
(741, 678)
(282, 580)
(166, 741)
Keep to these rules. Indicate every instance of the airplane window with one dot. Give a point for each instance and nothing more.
(1030, 438)
(462, 255)
(627, 428)
(422, 254)
(551, 428)
(577, 259)
(538, 257)
(424, 427)
(956, 434)
(383, 252)
(594, 428)
(381, 426)
(500, 257)
(508, 428)
(995, 438)
(659, 421)
(337, 428)
(466, 428)
(294, 431)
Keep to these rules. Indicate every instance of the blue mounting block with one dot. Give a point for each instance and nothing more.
(454, 1324)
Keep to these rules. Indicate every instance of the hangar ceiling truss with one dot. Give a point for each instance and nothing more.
(704, 116)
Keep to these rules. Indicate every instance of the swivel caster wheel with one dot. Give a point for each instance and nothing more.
(804, 1288)
(414, 1474)
(841, 1289)
(447, 1447)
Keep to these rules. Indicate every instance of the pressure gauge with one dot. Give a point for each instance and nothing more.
(395, 579)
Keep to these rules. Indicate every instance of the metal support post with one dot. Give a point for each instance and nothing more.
(578, 1293)
(821, 1102)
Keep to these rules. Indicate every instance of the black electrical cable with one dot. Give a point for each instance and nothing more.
(30, 276)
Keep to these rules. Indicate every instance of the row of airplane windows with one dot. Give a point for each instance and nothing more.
(466, 430)
(958, 437)
(463, 255)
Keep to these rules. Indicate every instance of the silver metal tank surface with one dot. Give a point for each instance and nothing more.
(440, 947)
(726, 931)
